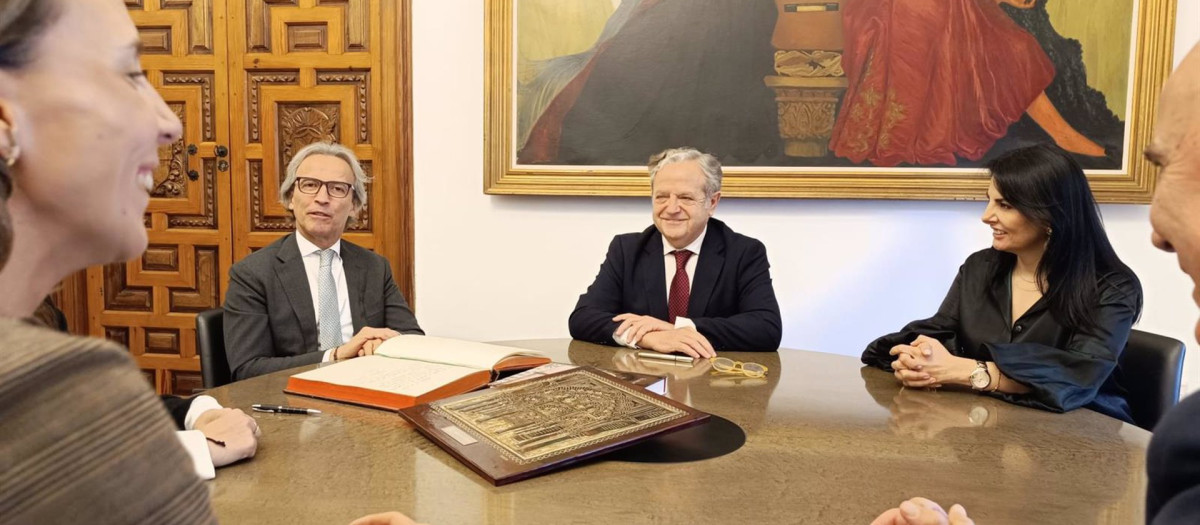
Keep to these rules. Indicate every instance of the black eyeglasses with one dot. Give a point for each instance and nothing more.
(311, 186)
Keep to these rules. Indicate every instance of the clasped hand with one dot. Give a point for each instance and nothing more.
(364, 342)
(238, 431)
(655, 334)
(927, 363)
(920, 511)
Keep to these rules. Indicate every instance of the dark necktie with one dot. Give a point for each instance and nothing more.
(681, 290)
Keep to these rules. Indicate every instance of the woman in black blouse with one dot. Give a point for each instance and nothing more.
(1040, 318)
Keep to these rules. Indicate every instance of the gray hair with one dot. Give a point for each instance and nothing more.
(708, 164)
(333, 150)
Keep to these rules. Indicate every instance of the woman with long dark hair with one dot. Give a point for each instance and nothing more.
(1041, 317)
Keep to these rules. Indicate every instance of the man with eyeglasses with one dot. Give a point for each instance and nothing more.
(312, 296)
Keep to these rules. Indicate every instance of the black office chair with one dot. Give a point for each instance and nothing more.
(1152, 368)
(210, 342)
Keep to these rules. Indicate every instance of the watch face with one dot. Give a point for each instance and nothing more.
(980, 378)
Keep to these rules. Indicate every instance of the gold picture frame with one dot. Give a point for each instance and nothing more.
(1150, 63)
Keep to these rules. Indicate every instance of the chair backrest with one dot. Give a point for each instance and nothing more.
(1152, 368)
(210, 343)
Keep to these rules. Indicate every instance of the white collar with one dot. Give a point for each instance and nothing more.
(308, 248)
(694, 247)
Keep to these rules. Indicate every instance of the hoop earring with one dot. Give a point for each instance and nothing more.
(14, 152)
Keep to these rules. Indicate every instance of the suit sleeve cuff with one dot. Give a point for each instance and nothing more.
(200, 405)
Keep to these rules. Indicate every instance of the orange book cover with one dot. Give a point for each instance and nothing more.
(410, 370)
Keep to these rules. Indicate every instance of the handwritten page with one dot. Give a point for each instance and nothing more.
(397, 376)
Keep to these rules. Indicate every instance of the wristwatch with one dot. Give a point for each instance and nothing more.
(980, 377)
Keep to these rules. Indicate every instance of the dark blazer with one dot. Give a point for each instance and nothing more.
(269, 320)
(178, 408)
(732, 300)
(1065, 368)
(1173, 467)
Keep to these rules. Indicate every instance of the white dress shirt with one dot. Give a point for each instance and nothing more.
(311, 256)
(193, 440)
(669, 265)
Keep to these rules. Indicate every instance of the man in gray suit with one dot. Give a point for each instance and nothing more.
(312, 296)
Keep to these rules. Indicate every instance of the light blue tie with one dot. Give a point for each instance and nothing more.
(329, 319)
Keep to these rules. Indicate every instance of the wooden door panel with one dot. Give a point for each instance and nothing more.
(149, 304)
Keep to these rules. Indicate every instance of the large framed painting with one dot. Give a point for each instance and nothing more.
(893, 99)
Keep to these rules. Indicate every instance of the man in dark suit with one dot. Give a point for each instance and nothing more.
(1173, 460)
(688, 284)
(313, 296)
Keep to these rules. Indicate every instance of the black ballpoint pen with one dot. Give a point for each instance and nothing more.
(280, 409)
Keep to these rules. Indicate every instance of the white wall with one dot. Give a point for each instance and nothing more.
(502, 267)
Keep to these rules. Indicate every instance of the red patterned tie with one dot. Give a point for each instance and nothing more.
(677, 301)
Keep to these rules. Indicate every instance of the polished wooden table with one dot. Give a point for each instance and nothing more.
(827, 441)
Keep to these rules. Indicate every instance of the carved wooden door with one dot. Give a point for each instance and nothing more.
(305, 71)
(148, 304)
(253, 81)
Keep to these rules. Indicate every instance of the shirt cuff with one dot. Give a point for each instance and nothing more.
(621, 341)
(196, 445)
(683, 322)
(200, 405)
(328, 355)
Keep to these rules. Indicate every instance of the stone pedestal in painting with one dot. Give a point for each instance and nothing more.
(809, 80)
(807, 110)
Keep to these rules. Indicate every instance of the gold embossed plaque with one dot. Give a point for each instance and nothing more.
(512, 433)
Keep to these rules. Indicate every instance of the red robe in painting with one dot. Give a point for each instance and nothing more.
(932, 79)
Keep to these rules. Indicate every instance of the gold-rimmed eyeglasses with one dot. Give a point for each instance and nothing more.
(725, 365)
(310, 186)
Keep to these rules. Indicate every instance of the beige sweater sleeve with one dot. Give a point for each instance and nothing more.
(83, 439)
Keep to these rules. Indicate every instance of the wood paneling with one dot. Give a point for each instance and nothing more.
(255, 80)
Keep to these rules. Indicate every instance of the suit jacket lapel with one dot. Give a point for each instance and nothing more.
(290, 272)
(355, 269)
(654, 276)
(708, 269)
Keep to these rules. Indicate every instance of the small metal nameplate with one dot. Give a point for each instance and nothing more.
(461, 437)
(810, 8)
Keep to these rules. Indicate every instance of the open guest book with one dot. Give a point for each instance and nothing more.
(529, 428)
(411, 369)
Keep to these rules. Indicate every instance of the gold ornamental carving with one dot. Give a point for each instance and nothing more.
(806, 114)
(173, 182)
